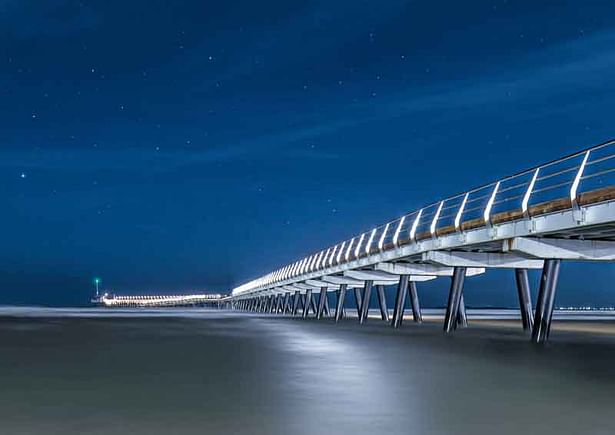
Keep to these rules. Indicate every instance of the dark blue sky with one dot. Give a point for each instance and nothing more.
(196, 144)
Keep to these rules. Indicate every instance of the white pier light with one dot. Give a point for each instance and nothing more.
(460, 212)
(415, 225)
(384, 233)
(434, 222)
(396, 235)
(487, 213)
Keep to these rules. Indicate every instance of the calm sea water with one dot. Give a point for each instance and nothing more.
(207, 372)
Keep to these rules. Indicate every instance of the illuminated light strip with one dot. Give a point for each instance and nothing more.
(434, 222)
(319, 258)
(296, 268)
(303, 263)
(528, 192)
(358, 248)
(313, 262)
(577, 180)
(487, 213)
(415, 225)
(460, 212)
(347, 256)
(332, 255)
(384, 233)
(397, 231)
(339, 254)
(324, 259)
(368, 247)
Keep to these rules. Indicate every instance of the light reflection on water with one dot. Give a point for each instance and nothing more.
(212, 372)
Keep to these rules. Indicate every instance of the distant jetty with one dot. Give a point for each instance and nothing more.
(116, 301)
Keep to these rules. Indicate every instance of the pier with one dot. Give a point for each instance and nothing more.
(539, 218)
(114, 301)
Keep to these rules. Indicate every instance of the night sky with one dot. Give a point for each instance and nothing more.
(195, 145)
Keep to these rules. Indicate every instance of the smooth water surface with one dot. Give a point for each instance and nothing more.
(207, 372)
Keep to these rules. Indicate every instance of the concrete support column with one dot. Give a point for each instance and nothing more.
(339, 308)
(382, 303)
(525, 298)
(454, 299)
(400, 301)
(308, 302)
(321, 302)
(414, 303)
(546, 301)
(286, 306)
(367, 293)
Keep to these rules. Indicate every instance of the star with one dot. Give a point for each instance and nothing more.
(23, 175)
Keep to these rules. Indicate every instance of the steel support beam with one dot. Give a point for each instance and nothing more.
(339, 308)
(308, 303)
(525, 298)
(327, 311)
(454, 299)
(358, 300)
(546, 300)
(296, 299)
(382, 303)
(321, 302)
(462, 317)
(400, 300)
(312, 300)
(414, 303)
(367, 292)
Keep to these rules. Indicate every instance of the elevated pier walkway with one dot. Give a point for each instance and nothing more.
(535, 219)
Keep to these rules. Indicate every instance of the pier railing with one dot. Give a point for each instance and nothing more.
(585, 177)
